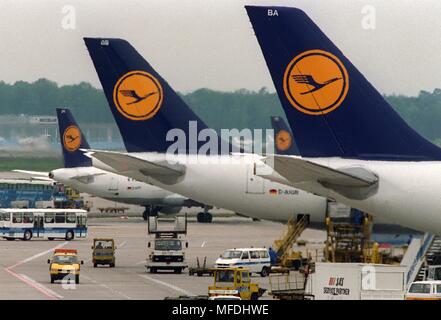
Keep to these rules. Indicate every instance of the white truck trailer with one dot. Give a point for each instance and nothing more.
(356, 281)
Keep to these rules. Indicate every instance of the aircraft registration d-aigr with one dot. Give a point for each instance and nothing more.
(79, 173)
(354, 147)
(148, 112)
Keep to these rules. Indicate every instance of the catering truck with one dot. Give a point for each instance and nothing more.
(356, 281)
(166, 250)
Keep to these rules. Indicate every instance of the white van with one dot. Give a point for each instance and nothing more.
(424, 290)
(257, 260)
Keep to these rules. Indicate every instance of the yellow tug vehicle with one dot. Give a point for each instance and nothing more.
(65, 265)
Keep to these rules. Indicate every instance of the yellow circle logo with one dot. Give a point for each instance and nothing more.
(72, 138)
(283, 140)
(138, 95)
(316, 82)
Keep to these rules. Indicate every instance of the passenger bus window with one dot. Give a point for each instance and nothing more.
(60, 217)
(245, 277)
(49, 217)
(438, 288)
(245, 255)
(264, 254)
(7, 216)
(28, 217)
(70, 217)
(2, 216)
(81, 221)
(17, 217)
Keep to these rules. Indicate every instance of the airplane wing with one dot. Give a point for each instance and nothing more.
(123, 162)
(353, 182)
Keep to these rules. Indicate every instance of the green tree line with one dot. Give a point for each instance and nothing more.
(239, 109)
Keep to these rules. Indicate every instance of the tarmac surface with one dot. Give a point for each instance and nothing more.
(24, 272)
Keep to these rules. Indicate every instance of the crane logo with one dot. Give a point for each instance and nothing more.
(316, 82)
(72, 138)
(138, 95)
(283, 140)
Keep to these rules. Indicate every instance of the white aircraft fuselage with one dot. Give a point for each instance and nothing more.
(115, 187)
(216, 181)
(408, 193)
(233, 186)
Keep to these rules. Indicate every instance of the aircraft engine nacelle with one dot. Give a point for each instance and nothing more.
(170, 210)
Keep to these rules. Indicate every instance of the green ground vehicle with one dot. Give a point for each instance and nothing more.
(103, 252)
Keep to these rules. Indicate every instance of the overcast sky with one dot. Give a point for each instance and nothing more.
(210, 43)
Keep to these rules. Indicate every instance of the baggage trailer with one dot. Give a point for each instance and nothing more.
(200, 270)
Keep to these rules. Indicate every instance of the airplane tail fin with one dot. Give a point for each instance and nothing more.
(144, 105)
(332, 109)
(283, 138)
(72, 141)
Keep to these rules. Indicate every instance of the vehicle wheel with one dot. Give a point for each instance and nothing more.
(254, 296)
(52, 279)
(153, 270)
(10, 239)
(27, 235)
(112, 265)
(264, 272)
(178, 270)
(199, 274)
(69, 236)
(204, 217)
(95, 265)
(50, 239)
(77, 279)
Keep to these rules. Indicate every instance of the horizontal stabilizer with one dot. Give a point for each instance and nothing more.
(351, 182)
(122, 162)
(33, 173)
(40, 178)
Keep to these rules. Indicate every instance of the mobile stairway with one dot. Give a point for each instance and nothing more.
(423, 257)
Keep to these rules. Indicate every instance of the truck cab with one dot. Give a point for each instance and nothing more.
(103, 252)
(166, 249)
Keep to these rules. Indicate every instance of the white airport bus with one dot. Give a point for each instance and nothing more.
(43, 223)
